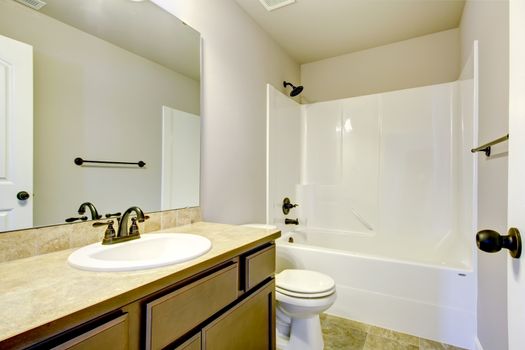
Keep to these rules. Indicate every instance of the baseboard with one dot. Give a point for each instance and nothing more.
(477, 344)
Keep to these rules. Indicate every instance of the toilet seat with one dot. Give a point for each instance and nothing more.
(304, 295)
(306, 303)
(304, 283)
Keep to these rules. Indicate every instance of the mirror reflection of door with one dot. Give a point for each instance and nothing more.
(16, 134)
(180, 159)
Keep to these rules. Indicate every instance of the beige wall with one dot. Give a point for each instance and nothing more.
(239, 59)
(488, 22)
(96, 101)
(425, 60)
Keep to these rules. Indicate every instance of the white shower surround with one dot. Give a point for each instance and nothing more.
(396, 165)
(386, 203)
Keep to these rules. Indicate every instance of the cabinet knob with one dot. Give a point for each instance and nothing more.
(22, 196)
(491, 241)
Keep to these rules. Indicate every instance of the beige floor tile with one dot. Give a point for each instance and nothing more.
(390, 334)
(347, 323)
(338, 335)
(375, 342)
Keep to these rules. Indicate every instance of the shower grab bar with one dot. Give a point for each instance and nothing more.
(486, 147)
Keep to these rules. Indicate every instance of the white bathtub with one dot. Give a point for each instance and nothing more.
(391, 283)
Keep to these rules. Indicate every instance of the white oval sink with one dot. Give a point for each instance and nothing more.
(149, 251)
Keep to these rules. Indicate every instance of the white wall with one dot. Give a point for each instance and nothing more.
(97, 101)
(421, 61)
(239, 59)
(488, 22)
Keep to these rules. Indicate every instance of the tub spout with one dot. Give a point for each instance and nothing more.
(291, 221)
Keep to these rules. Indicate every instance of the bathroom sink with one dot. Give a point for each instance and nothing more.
(149, 251)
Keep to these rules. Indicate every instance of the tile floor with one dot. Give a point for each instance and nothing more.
(340, 333)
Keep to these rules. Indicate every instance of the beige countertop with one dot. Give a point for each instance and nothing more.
(38, 290)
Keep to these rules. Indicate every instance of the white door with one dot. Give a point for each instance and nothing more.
(516, 204)
(180, 159)
(16, 134)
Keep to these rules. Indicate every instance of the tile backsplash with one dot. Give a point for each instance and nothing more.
(25, 243)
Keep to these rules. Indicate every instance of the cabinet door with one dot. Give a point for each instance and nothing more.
(111, 335)
(248, 325)
(172, 316)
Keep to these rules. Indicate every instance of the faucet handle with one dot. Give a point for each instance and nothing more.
(109, 215)
(287, 205)
(82, 218)
(134, 228)
(109, 234)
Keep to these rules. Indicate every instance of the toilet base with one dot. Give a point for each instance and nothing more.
(305, 334)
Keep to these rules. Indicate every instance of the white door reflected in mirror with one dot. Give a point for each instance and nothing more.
(16, 134)
(180, 159)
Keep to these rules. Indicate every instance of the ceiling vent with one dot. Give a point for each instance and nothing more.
(34, 4)
(271, 5)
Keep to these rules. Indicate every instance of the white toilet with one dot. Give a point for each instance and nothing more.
(301, 296)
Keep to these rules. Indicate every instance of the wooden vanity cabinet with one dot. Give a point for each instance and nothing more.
(230, 306)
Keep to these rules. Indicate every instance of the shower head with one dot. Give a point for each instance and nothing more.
(296, 90)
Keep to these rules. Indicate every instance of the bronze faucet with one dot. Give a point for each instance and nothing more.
(123, 226)
(123, 234)
(92, 210)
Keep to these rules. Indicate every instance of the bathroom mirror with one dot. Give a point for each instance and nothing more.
(112, 80)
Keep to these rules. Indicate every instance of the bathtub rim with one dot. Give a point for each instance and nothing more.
(281, 242)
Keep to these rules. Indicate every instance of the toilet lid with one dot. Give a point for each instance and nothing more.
(304, 282)
(305, 295)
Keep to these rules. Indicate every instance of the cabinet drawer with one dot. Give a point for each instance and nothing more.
(194, 343)
(259, 266)
(110, 335)
(173, 315)
(248, 325)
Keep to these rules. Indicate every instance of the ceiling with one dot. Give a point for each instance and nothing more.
(311, 30)
(132, 26)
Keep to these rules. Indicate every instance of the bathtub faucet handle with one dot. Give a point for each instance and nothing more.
(287, 205)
